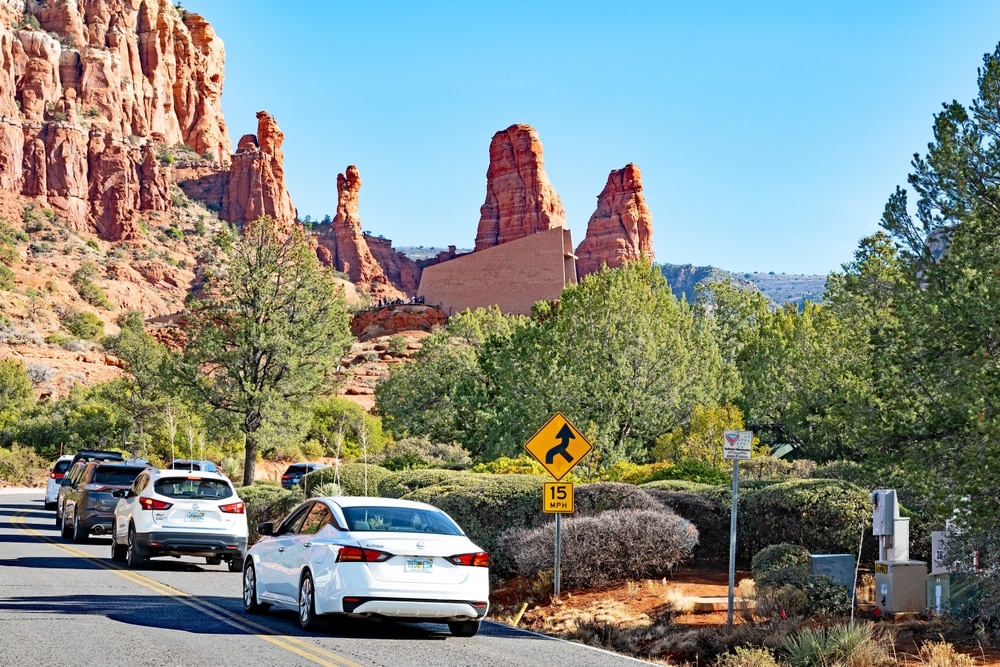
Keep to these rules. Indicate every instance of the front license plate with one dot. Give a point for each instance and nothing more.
(195, 516)
(418, 564)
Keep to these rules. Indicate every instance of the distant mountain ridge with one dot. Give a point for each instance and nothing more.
(778, 288)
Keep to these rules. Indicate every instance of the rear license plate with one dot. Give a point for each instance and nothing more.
(418, 565)
(195, 516)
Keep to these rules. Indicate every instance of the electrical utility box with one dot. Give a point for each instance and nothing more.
(945, 591)
(900, 587)
(892, 531)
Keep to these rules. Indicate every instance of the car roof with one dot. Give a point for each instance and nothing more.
(157, 473)
(373, 501)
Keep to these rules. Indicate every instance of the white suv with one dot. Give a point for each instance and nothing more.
(179, 513)
(59, 469)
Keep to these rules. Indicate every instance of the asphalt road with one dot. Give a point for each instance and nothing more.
(68, 604)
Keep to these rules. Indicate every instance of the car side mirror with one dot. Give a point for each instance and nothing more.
(266, 528)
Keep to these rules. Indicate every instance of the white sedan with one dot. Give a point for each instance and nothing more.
(368, 557)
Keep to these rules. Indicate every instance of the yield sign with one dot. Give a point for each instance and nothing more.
(737, 445)
(558, 446)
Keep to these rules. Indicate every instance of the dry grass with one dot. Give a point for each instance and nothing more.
(943, 654)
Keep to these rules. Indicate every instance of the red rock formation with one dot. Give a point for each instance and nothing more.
(621, 229)
(520, 201)
(256, 184)
(344, 245)
(401, 271)
(141, 69)
(394, 319)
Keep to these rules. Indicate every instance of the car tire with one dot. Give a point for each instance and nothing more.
(66, 528)
(134, 555)
(464, 628)
(58, 520)
(50, 506)
(250, 604)
(236, 563)
(213, 560)
(117, 550)
(308, 619)
(80, 536)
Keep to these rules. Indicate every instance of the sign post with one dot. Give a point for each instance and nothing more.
(736, 446)
(558, 446)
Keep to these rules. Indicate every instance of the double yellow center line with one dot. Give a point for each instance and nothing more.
(315, 654)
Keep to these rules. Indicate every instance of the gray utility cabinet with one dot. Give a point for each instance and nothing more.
(900, 586)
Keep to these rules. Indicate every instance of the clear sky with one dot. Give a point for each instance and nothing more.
(769, 134)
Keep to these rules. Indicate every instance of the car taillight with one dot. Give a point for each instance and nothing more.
(93, 486)
(286, 477)
(478, 559)
(154, 504)
(361, 555)
(233, 508)
(56, 475)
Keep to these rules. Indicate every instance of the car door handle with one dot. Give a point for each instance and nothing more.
(307, 544)
(281, 549)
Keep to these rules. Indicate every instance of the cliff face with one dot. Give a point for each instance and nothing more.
(87, 87)
(621, 229)
(343, 246)
(520, 200)
(256, 182)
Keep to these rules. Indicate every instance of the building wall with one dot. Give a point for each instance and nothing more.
(513, 276)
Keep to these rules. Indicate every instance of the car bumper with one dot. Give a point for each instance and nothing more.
(191, 544)
(430, 610)
(98, 523)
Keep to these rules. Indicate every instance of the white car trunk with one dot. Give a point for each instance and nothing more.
(418, 559)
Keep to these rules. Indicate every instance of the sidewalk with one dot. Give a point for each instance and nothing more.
(20, 489)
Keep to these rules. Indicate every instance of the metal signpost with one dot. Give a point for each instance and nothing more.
(558, 446)
(736, 446)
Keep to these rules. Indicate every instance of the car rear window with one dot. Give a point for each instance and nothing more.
(116, 475)
(62, 466)
(192, 487)
(399, 520)
(296, 470)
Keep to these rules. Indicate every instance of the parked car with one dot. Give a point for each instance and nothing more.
(88, 503)
(86, 455)
(189, 465)
(368, 557)
(76, 465)
(179, 513)
(59, 469)
(295, 472)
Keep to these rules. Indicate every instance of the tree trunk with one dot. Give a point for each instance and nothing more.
(250, 459)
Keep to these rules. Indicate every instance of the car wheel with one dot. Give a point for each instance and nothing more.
(134, 555)
(214, 560)
(80, 535)
(307, 604)
(67, 528)
(50, 506)
(236, 563)
(250, 603)
(58, 520)
(464, 628)
(117, 550)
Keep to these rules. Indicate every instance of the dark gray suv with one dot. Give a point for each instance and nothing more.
(88, 506)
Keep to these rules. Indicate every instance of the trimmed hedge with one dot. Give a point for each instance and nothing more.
(398, 484)
(267, 502)
(780, 564)
(484, 510)
(352, 478)
(825, 516)
(675, 485)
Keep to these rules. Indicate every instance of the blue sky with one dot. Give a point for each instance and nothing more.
(769, 134)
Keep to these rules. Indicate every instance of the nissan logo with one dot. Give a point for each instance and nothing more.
(421, 545)
(194, 508)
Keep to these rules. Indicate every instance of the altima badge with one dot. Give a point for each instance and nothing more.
(421, 545)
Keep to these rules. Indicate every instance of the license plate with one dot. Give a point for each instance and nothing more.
(195, 516)
(418, 564)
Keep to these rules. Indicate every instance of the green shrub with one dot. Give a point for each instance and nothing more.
(675, 485)
(522, 465)
(825, 597)
(822, 515)
(91, 243)
(83, 324)
(351, 478)
(692, 470)
(487, 508)
(175, 232)
(780, 564)
(840, 644)
(57, 339)
(267, 502)
(21, 466)
(613, 547)
(6, 278)
(593, 499)
(397, 344)
(420, 452)
(400, 483)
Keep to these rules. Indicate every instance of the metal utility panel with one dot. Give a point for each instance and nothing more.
(896, 546)
(945, 591)
(839, 567)
(900, 587)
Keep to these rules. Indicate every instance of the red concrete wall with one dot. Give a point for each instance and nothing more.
(512, 276)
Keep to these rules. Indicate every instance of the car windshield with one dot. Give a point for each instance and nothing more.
(192, 487)
(399, 520)
(116, 475)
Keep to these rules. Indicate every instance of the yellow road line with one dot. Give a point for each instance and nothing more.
(289, 643)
